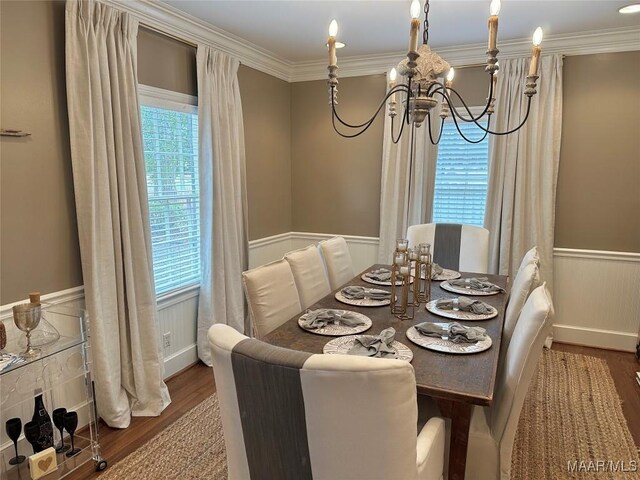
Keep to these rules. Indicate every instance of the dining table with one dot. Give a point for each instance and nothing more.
(456, 382)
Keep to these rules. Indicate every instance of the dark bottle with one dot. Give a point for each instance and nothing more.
(42, 418)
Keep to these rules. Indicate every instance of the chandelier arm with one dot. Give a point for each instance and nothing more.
(453, 117)
(347, 135)
(395, 140)
(442, 90)
(436, 142)
(397, 88)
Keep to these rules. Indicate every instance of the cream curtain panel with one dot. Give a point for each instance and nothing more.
(406, 188)
(223, 196)
(113, 219)
(523, 167)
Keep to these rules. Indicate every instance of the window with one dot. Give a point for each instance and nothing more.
(460, 192)
(170, 143)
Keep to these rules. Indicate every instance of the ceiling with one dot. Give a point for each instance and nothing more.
(297, 30)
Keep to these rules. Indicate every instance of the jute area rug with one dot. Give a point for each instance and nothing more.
(571, 419)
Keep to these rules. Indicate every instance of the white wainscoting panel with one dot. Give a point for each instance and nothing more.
(597, 298)
(268, 249)
(177, 316)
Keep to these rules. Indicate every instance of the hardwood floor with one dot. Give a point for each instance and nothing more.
(194, 384)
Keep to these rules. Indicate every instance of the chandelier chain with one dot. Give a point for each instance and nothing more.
(425, 31)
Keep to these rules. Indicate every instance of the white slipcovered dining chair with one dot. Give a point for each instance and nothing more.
(293, 415)
(309, 274)
(272, 296)
(527, 278)
(337, 259)
(454, 246)
(493, 429)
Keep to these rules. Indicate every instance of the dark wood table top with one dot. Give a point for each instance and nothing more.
(467, 378)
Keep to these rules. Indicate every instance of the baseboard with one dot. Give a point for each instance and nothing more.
(592, 337)
(180, 360)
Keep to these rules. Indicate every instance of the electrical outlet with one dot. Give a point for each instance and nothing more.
(166, 340)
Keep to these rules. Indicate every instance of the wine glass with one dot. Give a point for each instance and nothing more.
(58, 421)
(70, 424)
(27, 316)
(32, 433)
(14, 427)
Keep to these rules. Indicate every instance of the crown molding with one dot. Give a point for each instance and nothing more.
(182, 26)
(601, 41)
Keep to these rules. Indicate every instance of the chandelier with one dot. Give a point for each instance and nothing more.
(423, 87)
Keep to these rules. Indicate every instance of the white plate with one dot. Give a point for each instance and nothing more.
(465, 291)
(447, 346)
(458, 315)
(379, 282)
(342, 345)
(363, 302)
(446, 275)
(337, 329)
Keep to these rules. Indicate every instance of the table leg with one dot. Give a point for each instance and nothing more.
(460, 415)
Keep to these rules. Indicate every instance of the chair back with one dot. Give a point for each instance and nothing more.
(527, 278)
(337, 259)
(532, 256)
(514, 379)
(457, 247)
(283, 417)
(309, 274)
(271, 295)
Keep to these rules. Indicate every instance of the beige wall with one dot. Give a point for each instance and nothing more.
(598, 195)
(336, 181)
(38, 233)
(166, 63)
(266, 106)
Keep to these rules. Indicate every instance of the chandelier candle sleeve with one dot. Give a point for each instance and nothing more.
(494, 10)
(415, 26)
(535, 53)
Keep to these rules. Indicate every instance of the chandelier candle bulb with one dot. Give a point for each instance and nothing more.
(494, 10)
(393, 74)
(415, 26)
(333, 31)
(535, 53)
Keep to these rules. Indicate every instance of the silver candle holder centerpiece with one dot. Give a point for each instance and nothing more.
(402, 306)
(424, 271)
(27, 316)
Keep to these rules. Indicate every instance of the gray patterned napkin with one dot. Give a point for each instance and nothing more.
(358, 293)
(378, 346)
(455, 332)
(381, 275)
(436, 270)
(464, 305)
(476, 283)
(324, 316)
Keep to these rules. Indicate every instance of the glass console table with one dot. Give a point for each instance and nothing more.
(61, 372)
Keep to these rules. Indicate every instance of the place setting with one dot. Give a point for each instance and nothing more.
(383, 345)
(449, 337)
(462, 308)
(332, 322)
(381, 276)
(363, 297)
(472, 286)
(439, 274)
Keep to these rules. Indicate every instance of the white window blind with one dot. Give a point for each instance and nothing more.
(460, 192)
(170, 138)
